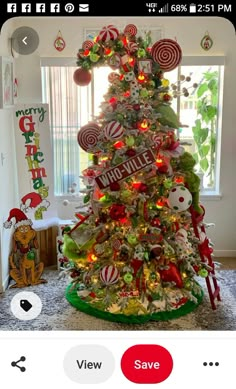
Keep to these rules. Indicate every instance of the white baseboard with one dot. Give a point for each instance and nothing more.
(224, 253)
(5, 284)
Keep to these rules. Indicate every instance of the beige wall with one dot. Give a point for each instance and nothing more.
(188, 32)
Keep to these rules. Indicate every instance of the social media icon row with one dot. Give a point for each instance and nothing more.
(43, 7)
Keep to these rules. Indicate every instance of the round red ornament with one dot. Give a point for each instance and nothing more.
(82, 77)
(167, 53)
(117, 212)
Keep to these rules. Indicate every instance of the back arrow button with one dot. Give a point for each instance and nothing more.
(24, 40)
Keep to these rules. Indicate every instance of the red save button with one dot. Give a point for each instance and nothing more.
(146, 364)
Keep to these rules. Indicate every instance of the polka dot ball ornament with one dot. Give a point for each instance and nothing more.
(179, 199)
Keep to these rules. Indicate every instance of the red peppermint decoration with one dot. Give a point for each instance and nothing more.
(157, 140)
(88, 137)
(112, 77)
(167, 53)
(132, 47)
(113, 130)
(109, 275)
(108, 33)
(130, 29)
(87, 45)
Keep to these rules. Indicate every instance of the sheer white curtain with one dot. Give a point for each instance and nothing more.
(69, 108)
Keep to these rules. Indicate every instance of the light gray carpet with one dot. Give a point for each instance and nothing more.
(58, 314)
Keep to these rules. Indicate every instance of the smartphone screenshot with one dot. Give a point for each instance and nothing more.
(117, 200)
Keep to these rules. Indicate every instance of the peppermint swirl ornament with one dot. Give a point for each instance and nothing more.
(108, 33)
(88, 137)
(157, 140)
(132, 47)
(109, 275)
(87, 45)
(130, 29)
(113, 130)
(113, 77)
(167, 53)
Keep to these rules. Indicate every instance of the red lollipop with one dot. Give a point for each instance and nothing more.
(130, 29)
(88, 137)
(167, 53)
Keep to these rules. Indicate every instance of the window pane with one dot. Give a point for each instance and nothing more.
(199, 113)
(69, 109)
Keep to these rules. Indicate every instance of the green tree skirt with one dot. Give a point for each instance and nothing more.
(81, 305)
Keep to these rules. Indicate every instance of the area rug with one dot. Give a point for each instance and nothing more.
(58, 315)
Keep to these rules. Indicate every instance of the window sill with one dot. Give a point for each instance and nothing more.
(210, 195)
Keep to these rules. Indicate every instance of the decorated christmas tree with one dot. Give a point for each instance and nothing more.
(135, 253)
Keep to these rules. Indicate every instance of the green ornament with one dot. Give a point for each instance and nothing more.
(31, 255)
(167, 183)
(130, 141)
(143, 92)
(146, 256)
(152, 84)
(132, 239)
(94, 57)
(187, 284)
(120, 44)
(153, 276)
(128, 278)
(153, 127)
(141, 53)
(125, 194)
(120, 117)
(203, 273)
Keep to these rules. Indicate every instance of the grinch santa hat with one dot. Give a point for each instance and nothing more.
(20, 219)
(34, 201)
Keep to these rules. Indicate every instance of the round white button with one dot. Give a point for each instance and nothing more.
(89, 364)
(26, 305)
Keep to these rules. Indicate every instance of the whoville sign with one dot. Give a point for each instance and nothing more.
(34, 161)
